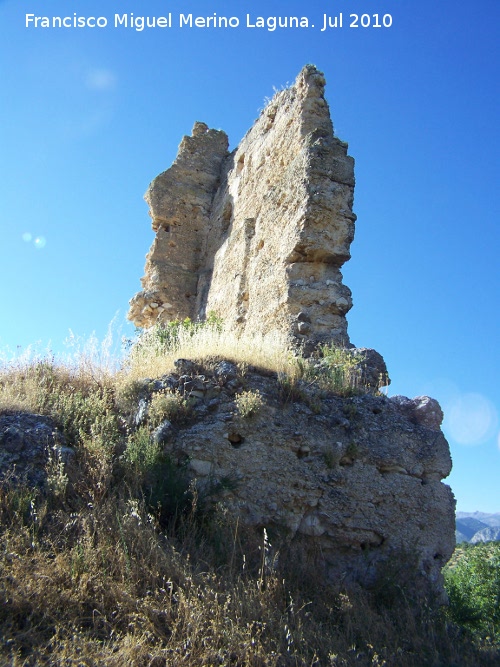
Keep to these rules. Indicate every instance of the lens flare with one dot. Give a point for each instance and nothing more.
(40, 242)
(471, 419)
(27, 237)
(100, 79)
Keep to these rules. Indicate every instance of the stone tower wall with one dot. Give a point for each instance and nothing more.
(258, 235)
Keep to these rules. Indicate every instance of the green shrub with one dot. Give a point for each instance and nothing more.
(248, 403)
(334, 370)
(340, 371)
(167, 492)
(473, 586)
(163, 484)
(18, 504)
(332, 457)
(81, 405)
(127, 395)
(289, 389)
(168, 404)
(57, 479)
(141, 452)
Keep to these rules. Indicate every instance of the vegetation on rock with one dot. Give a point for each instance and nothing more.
(121, 558)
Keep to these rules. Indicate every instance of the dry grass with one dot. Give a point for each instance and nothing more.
(31, 386)
(154, 355)
(105, 586)
(125, 562)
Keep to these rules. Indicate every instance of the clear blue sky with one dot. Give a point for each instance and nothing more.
(90, 116)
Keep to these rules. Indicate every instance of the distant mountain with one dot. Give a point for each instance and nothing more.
(477, 527)
(486, 535)
(490, 519)
(469, 526)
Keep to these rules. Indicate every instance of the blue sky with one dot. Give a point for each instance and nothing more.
(90, 116)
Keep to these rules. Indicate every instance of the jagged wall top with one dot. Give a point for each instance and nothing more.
(257, 235)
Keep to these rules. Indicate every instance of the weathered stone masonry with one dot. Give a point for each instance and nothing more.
(257, 235)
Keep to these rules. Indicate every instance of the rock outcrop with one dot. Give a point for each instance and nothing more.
(354, 482)
(351, 482)
(258, 235)
(29, 445)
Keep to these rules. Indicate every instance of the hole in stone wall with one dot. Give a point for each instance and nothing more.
(260, 245)
(303, 451)
(236, 439)
(240, 165)
(227, 214)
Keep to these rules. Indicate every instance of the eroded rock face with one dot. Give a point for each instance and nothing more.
(259, 235)
(357, 481)
(27, 443)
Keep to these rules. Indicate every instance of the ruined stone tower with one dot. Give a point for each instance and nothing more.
(257, 235)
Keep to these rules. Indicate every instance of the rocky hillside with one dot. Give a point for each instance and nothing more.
(348, 476)
(221, 512)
